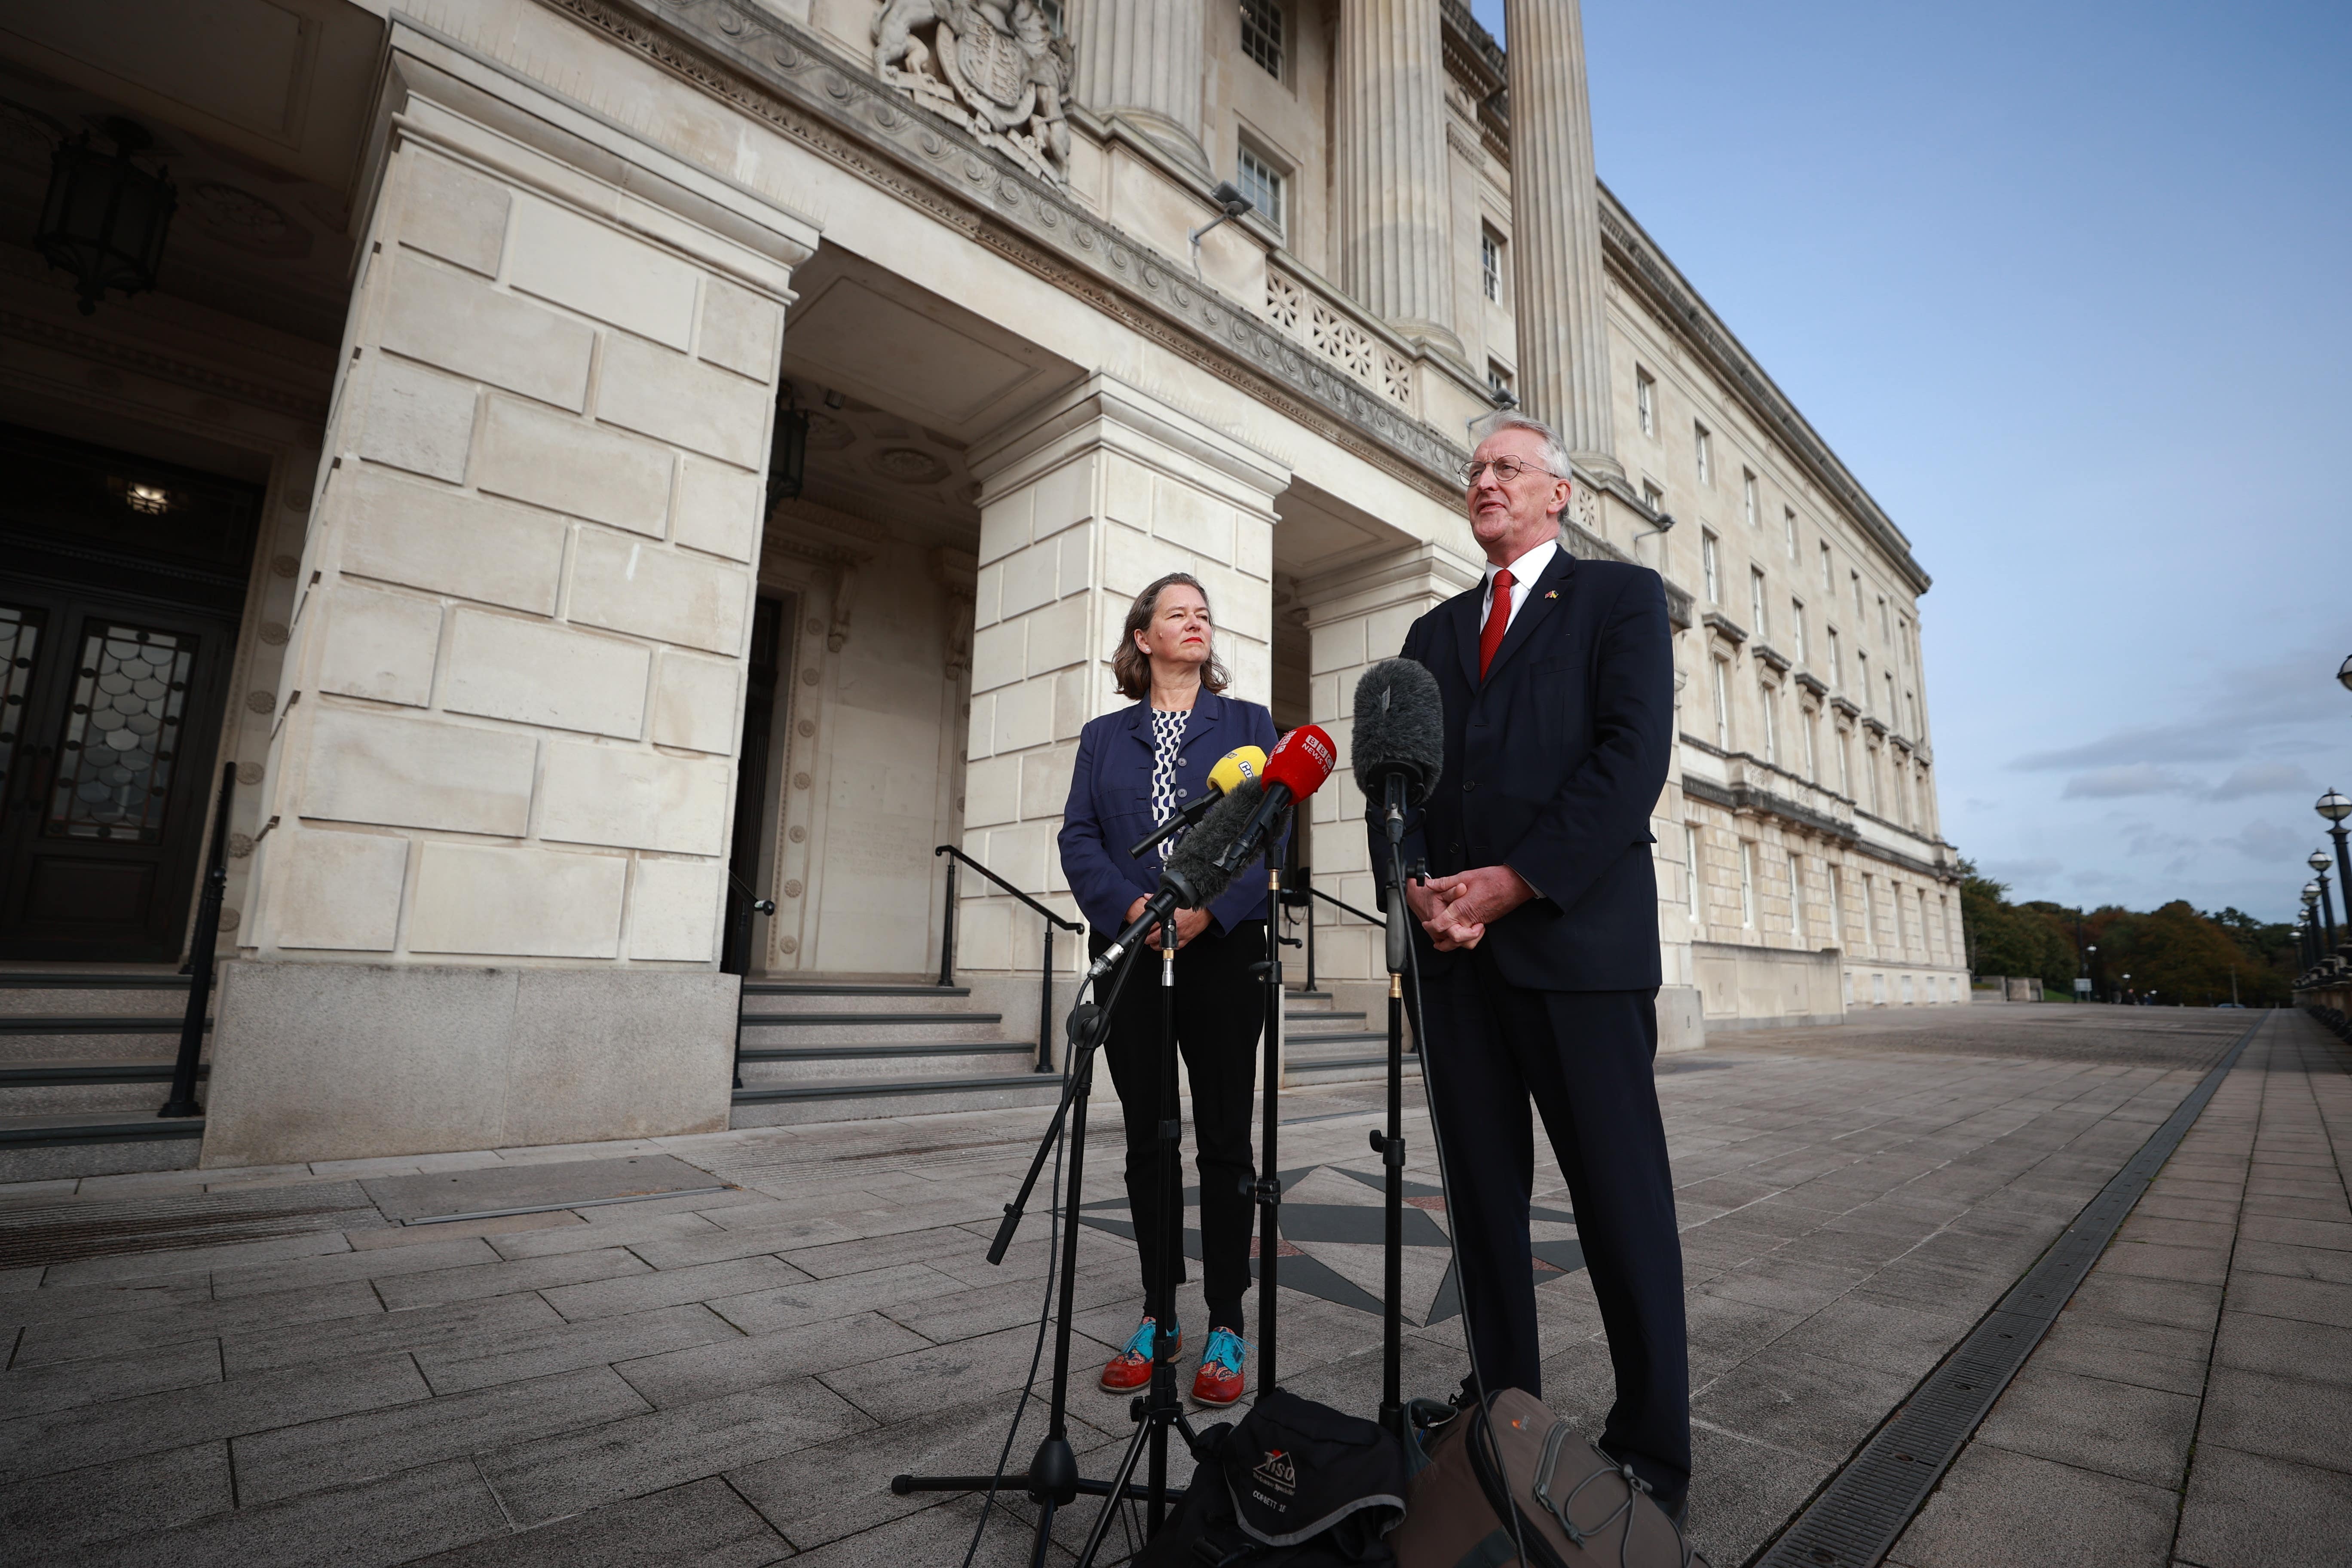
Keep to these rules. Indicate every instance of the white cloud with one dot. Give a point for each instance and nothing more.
(2133, 778)
(2268, 841)
(2265, 778)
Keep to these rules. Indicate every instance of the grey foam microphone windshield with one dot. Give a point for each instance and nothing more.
(1399, 731)
(1193, 869)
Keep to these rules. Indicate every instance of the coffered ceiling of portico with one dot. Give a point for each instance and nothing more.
(899, 478)
(255, 108)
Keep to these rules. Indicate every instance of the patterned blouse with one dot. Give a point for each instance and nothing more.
(1167, 741)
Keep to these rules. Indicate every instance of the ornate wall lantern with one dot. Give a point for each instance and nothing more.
(788, 454)
(104, 217)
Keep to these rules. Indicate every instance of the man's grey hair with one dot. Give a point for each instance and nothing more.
(1555, 451)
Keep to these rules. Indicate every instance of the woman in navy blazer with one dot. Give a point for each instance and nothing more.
(1137, 766)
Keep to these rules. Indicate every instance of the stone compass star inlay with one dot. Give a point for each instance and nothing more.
(1333, 1224)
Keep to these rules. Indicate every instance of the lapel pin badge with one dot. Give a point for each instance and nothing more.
(1553, 594)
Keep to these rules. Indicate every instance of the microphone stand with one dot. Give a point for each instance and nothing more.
(1267, 1189)
(1390, 1145)
(1052, 1481)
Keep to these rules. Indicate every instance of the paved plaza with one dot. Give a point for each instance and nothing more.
(263, 1367)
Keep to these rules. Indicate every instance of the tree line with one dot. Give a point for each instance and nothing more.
(2174, 954)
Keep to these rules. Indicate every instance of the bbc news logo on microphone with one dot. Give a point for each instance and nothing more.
(1312, 739)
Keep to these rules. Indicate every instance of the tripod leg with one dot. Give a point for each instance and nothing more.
(1393, 1156)
(1172, 1236)
(1118, 1494)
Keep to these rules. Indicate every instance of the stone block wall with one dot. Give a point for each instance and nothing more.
(1082, 506)
(514, 690)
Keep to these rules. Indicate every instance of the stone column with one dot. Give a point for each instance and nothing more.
(1143, 59)
(1556, 233)
(1083, 503)
(487, 894)
(1356, 617)
(1388, 148)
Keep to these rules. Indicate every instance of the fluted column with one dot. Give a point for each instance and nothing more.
(1142, 59)
(1390, 154)
(1555, 232)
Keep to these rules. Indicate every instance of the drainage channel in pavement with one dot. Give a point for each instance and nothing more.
(1856, 1516)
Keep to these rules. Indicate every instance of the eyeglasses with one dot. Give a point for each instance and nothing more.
(1505, 470)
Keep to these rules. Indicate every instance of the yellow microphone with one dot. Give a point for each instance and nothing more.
(1241, 763)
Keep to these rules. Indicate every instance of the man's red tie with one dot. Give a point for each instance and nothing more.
(1498, 621)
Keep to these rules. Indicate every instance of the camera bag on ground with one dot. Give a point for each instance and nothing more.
(1577, 1507)
(1294, 1485)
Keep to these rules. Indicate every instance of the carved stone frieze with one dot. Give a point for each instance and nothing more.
(772, 70)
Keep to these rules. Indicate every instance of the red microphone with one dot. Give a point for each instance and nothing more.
(1294, 769)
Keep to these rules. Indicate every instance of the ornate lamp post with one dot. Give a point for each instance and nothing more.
(2318, 864)
(104, 217)
(2306, 927)
(2335, 807)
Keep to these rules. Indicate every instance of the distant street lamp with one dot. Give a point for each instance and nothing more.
(2344, 672)
(2318, 864)
(2335, 807)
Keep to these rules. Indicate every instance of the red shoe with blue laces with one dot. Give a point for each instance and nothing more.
(1130, 1369)
(1220, 1381)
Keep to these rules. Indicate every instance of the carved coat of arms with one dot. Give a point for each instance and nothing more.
(997, 66)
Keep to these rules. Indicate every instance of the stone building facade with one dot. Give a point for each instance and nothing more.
(660, 455)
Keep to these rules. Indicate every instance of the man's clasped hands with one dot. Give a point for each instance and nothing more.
(1456, 910)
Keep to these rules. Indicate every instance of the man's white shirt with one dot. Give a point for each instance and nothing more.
(1524, 573)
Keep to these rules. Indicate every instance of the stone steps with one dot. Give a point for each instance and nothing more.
(86, 1060)
(1322, 1043)
(840, 1049)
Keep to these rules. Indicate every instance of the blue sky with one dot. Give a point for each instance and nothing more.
(2066, 288)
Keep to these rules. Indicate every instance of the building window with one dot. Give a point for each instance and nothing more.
(1861, 617)
(1885, 627)
(1490, 264)
(1748, 884)
(1870, 761)
(1911, 713)
(1706, 568)
(1748, 498)
(1722, 708)
(1837, 915)
(1812, 721)
(1902, 927)
(1755, 604)
(1796, 627)
(1654, 498)
(1262, 184)
(1646, 400)
(1262, 34)
(1862, 676)
(1845, 762)
(1877, 987)
(1771, 723)
(1869, 912)
(1498, 380)
(1788, 527)
(1894, 714)
(1703, 448)
(1907, 991)
(1691, 877)
(1837, 668)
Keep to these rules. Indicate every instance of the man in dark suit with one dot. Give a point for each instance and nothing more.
(1539, 936)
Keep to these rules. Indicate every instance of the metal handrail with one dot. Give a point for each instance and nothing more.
(1067, 925)
(948, 945)
(182, 1101)
(1375, 919)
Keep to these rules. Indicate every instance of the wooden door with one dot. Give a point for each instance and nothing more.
(117, 627)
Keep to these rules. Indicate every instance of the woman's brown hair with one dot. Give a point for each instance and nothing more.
(1131, 666)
